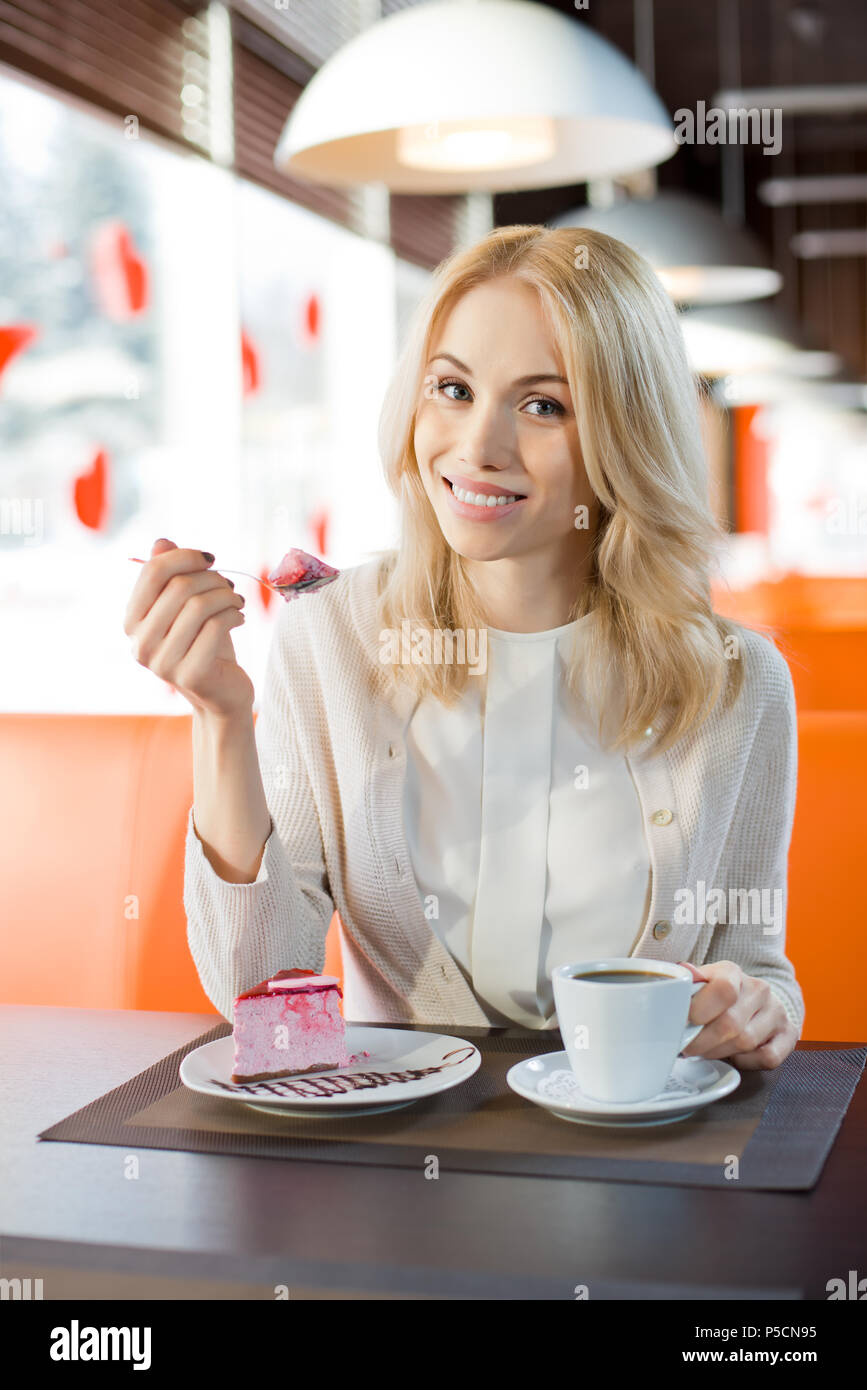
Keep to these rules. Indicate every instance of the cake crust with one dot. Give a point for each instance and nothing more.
(276, 1075)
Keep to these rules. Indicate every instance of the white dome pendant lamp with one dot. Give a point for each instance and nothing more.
(457, 96)
(698, 256)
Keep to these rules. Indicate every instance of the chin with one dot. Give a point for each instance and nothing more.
(469, 543)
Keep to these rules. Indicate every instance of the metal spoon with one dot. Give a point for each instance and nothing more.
(264, 582)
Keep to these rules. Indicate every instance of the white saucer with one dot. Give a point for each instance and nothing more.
(694, 1081)
(385, 1076)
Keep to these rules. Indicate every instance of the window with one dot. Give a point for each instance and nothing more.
(186, 354)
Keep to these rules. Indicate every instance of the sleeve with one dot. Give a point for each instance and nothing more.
(239, 933)
(754, 863)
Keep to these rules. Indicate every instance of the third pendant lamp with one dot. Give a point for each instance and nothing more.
(455, 96)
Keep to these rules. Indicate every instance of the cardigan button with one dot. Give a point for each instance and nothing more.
(392, 750)
(662, 817)
(661, 929)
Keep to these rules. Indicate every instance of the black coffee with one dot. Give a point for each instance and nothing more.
(621, 977)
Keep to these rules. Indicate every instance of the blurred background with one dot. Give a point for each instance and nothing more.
(215, 222)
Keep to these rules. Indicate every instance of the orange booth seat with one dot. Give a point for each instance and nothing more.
(92, 824)
(819, 624)
(93, 819)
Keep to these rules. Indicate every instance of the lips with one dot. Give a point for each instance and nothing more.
(488, 489)
(477, 512)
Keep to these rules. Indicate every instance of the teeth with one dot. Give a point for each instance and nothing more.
(481, 499)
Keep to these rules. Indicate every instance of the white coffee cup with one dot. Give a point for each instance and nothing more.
(622, 1040)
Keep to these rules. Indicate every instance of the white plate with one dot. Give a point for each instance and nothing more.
(384, 1078)
(694, 1081)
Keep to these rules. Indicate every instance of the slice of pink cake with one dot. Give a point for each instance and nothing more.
(288, 1024)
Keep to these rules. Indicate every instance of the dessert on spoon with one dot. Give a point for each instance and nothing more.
(297, 573)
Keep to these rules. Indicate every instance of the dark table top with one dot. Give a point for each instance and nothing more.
(223, 1227)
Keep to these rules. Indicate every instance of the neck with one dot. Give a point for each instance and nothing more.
(525, 593)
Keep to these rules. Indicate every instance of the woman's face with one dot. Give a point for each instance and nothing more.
(496, 418)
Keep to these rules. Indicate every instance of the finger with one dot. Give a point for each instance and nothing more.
(770, 1054)
(697, 972)
(154, 627)
(161, 545)
(155, 574)
(213, 645)
(185, 629)
(736, 1032)
(722, 992)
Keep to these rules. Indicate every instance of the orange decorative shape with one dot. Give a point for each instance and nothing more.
(319, 523)
(250, 365)
(312, 316)
(266, 595)
(120, 275)
(90, 493)
(14, 338)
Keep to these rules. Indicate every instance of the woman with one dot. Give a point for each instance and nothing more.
(523, 737)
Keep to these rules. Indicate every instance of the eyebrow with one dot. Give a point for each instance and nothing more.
(519, 381)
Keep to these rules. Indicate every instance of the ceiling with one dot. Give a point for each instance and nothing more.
(701, 46)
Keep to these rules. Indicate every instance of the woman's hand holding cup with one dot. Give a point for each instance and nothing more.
(180, 616)
(743, 1020)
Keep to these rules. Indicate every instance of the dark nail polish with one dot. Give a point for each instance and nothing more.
(231, 583)
(208, 556)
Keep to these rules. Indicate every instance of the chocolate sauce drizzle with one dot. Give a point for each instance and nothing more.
(351, 1081)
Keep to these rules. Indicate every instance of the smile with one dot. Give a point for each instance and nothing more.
(478, 506)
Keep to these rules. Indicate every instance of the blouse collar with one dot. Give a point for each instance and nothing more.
(547, 635)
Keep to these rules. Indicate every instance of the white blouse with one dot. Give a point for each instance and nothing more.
(526, 837)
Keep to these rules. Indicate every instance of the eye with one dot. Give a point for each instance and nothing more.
(556, 407)
(450, 381)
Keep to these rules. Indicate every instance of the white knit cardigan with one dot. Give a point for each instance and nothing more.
(718, 810)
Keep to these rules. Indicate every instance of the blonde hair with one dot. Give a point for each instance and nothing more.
(655, 649)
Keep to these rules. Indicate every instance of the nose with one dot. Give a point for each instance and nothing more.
(485, 439)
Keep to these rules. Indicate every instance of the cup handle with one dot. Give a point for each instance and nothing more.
(693, 1029)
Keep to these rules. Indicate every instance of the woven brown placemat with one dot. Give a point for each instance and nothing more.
(779, 1125)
